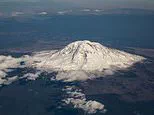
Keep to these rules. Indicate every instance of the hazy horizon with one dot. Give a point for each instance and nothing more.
(102, 4)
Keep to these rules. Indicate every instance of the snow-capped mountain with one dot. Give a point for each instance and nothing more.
(84, 55)
(78, 61)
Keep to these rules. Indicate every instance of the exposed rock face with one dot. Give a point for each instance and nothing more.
(84, 55)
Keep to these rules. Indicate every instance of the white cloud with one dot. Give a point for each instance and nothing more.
(86, 10)
(72, 76)
(31, 76)
(9, 62)
(17, 13)
(43, 13)
(64, 12)
(6, 63)
(10, 80)
(109, 72)
(78, 99)
(2, 74)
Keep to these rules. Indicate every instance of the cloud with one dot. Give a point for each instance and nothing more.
(78, 99)
(31, 76)
(2, 74)
(43, 13)
(9, 62)
(6, 64)
(10, 80)
(72, 76)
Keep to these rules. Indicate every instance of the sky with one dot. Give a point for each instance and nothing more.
(103, 4)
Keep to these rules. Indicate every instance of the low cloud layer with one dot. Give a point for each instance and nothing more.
(78, 100)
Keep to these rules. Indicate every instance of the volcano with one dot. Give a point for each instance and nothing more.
(84, 55)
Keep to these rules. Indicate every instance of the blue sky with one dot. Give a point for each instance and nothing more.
(143, 4)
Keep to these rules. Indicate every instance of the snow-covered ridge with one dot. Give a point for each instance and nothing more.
(84, 55)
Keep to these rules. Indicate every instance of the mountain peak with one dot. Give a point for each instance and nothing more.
(83, 47)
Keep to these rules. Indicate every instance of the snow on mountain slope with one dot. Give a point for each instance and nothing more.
(84, 55)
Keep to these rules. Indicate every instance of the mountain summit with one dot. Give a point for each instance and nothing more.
(84, 55)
